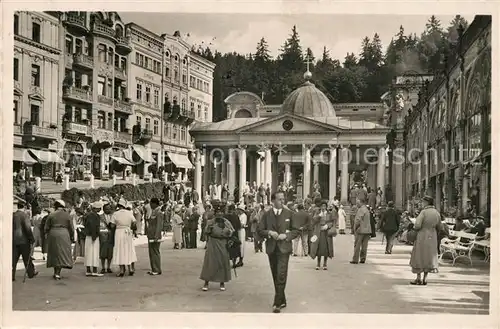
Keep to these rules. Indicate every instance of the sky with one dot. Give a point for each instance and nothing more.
(241, 32)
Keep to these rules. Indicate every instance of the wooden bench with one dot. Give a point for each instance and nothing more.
(484, 244)
(461, 247)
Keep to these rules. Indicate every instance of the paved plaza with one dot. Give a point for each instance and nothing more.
(379, 286)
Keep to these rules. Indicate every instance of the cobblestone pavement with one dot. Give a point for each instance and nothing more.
(379, 286)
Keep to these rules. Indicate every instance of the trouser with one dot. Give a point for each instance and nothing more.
(185, 238)
(257, 242)
(17, 251)
(242, 237)
(154, 256)
(193, 239)
(389, 240)
(303, 239)
(351, 222)
(360, 247)
(278, 262)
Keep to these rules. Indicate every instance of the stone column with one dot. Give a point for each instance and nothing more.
(398, 182)
(484, 186)
(344, 175)
(243, 170)
(381, 169)
(267, 168)
(288, 173)
(438, 192)
(231, 168)
(465, 191)
(207, 173)
(274, 170)
(197, 172)
(104, 162)
(306, 183)
(371, 172)
(218, 172)
(262, 171)
(316, 172)
(258, 167)
(223, 166)
(332, 179)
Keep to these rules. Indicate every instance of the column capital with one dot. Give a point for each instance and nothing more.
(242, 147)
(308, 146)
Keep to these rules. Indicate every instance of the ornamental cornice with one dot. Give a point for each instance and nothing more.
(37, 44)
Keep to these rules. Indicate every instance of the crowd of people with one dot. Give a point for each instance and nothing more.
(103, 232)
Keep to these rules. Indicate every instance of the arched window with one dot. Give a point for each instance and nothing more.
(183, 104)
(101, 50)
(243, 114)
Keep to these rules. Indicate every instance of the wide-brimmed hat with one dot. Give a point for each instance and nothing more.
(61, 203)
(122, 203)
(428, 198)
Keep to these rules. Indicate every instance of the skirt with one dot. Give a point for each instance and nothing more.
(124, 250)
(105, 245)
(177, 236)
(216, 265)
(59, 248)
(91, 252)
(323, 245)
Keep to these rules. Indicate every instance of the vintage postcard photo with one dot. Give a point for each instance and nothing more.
(263, 163)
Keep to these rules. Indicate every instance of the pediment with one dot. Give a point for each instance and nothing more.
(36, 96)
(243, 97)
(289, 124)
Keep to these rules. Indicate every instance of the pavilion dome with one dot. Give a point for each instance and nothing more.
(308, 101)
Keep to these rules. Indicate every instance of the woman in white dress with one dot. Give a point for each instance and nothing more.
(342, 216)
(124, 251)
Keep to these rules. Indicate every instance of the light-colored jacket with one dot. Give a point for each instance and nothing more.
(362, 223)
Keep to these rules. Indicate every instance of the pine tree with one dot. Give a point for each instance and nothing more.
(452, 30)
(350, 61)
(291, 53)
(262, 54)
(432, 45)
(365, 55)
(310, 55)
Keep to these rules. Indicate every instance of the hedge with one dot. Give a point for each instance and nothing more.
(129, 192)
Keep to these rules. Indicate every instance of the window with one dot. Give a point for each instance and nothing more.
(89, 48)
(16, 24)
(16, 111)
(198, 115)
(167, 72)
(16, 69)
(138, 120)
(69, 44)
(117, 61)
(147, 62)
(35, 75)
(148, 123)
(141, 60)
(123, 63)
(206, 113)
(78, 46)
(101, 85)
(137, 58)
(78, 114)
(183, 134)
(148, 94)
(157, 97)
(35, 32)
(191, 106)
(35, 115)
(198, 84)
(192, 82)
(110, 121)
(111, 56)
(183, 104)
(78, 79)
(176, 75)
(184, 77)
(101, 50)
(175, 131)
(139, 91)
(155, 127)
(109, 89)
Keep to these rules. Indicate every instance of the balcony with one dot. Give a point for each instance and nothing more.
(83, 61)
(17, 129)
(187, 116)
(105, 100)
(180, 116)
(123, 106)
(34, 131)
(78, 94)
(76, 128)
(104, 30)
(103, 137)
(123, 46)
(120, 74)
(76, 23)
(123, 137)
(141, 136)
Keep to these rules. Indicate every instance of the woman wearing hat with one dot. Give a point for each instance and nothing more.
(60, 234)
(106, 237)
(424, 256)
(342, 216)
(216, 264)
(123, 251)
(92, 223)
(321, 241)
(177, 224)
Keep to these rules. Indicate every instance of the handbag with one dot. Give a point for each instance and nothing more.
(411, 236)
(332, 232)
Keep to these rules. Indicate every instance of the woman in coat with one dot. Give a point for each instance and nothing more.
(342, 217)
(177, 224)
(216, 264)
(321, 243)
(123, 250)
(424, 256)
(60, 234)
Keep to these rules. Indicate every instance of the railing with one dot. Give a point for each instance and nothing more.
(123, 106)
(120, 73)
(84, 60)
(75, 19)
(124, 44)
(123, 137)
(78, 93)
(76, 128)
(36, 131)
(104, 30)
(105, 99)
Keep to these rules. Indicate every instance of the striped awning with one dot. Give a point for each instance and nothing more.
(144, 153)
(46, 156)
(121, 160)
(22, 155)
(180, 160)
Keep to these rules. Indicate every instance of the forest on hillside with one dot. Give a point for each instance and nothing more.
(362, 77)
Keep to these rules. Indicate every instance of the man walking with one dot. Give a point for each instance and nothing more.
(22, 239)
(277, 227)
(154, 227)
(303, 220)
(362, 232)
(389, 225)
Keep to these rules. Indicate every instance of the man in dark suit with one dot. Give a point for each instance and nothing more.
(155, 225)
(279, 230)
(303, 220)
(389, 225)
(22, 239)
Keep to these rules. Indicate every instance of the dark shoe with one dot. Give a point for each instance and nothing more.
(103, 271)
(154, 273)
(109, 271)
(131, 273)
(424, 283)
(387, 252)
(362, 261)
(353, 262)
(120, 275)
(416, 282)
(276, 309)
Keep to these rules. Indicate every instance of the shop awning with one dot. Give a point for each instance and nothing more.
(122, 161)
(144, 153)
(22, 155)
(180, 160)
(46, 156)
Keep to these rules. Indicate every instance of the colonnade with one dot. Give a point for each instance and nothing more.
(224, 168)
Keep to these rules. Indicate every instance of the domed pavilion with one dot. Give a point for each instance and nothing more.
(304, 142)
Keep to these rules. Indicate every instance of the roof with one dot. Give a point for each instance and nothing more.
(308, 101)
(225, 125)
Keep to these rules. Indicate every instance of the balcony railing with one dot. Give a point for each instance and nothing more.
(40, 132)
(123, 106)
(120, 73)
(143, 136)
(123, 137)
(76, 128)
(76, 21)
(105, 100)
(104, 30)
(83, 60)
(78, 94)
(123, 45)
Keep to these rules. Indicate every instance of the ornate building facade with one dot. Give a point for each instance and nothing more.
(446, 135)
